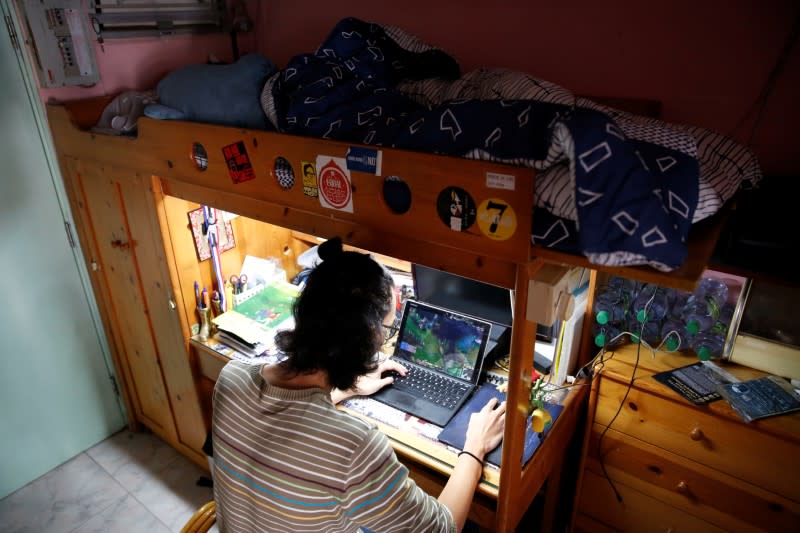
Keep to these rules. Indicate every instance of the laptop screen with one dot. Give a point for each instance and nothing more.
(443, 340)
(471, 297)
(461, 294)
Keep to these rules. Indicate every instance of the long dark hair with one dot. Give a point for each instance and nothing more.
(339, 317)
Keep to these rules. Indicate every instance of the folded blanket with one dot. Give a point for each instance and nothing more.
(629, 186)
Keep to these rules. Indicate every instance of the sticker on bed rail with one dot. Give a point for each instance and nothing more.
(238, 162)
(284, 173)
(495, 180)
(309, 179)
(367, 160)
(496, 219)
(456, 208)
(333, 180)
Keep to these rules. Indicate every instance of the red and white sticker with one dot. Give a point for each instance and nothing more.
(238, 162)
(333, 180)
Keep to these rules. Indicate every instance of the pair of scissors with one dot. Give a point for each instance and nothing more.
(239, 283)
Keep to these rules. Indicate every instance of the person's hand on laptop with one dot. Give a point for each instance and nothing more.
(372, 382)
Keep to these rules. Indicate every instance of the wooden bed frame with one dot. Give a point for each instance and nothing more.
(142, 276)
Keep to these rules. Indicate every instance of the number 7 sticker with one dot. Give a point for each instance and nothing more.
(496, 219)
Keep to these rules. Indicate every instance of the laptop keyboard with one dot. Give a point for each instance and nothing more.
(434, 387)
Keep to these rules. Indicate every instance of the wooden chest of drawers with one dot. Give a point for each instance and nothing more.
(676, 466)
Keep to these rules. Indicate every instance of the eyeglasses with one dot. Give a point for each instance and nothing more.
(389, 331)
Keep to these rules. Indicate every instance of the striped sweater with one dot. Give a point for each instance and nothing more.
(289, 461)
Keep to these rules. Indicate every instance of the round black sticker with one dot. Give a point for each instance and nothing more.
(456, 208)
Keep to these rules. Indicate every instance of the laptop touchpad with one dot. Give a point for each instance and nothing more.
(405, 399)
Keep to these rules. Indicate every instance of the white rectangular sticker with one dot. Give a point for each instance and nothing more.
(500, 181)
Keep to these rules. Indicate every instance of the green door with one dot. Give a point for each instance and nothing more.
(56, 394)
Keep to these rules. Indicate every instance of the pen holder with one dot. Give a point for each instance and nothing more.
(205, 323)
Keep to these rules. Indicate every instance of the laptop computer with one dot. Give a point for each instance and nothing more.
(483, 300)
(443, 351)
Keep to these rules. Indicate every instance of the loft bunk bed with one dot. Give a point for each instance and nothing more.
(157, 140)
(471, 217)
(161, 159)
(618, 188)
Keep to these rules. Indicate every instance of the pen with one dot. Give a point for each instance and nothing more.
(197, 294)
(205, 298)
(215, 301)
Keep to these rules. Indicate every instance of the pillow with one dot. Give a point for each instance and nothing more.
(217, 94)
(120, 116)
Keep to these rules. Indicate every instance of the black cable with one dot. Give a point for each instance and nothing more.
(622, 403)
(605, 430)
(235, 45)
(772, 79)
(760, 102)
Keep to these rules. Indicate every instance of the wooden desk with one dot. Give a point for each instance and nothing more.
(430, 463)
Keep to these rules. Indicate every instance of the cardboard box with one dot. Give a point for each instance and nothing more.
(550, 293)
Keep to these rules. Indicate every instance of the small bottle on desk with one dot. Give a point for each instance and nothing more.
(606, 336)
(650, 331)
(652, 303)
(703, 309)
(708, 345)
(205, 323)
(609, 306)
(674, 335)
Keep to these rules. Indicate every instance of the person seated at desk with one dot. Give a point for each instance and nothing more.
(286, 459)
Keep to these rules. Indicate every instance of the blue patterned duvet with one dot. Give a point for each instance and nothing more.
(620, 189)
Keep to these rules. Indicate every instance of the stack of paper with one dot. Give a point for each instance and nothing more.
(242, 333)
(251, 326)
(270, 305)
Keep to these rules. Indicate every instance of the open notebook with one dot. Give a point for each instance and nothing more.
(443, 351)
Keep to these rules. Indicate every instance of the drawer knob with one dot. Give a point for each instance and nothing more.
(682, 487)
(696, 434)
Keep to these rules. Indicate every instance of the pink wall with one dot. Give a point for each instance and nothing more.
(140, 63)
(706, 61)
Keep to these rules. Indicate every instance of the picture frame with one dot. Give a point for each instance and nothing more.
(226, 238)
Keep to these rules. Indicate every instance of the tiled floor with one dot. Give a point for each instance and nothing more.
(129, 483)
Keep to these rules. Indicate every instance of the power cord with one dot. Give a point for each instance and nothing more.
(760, 102)
(596, 364)
(624, 397)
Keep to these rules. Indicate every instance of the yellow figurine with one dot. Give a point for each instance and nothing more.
(540, 418)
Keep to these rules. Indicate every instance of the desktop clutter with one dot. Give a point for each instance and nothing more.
(242, 319)
(701, 324)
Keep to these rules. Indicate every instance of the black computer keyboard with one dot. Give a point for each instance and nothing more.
(439, 389)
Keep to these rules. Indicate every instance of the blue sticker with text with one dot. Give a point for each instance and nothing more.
(364, 160)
